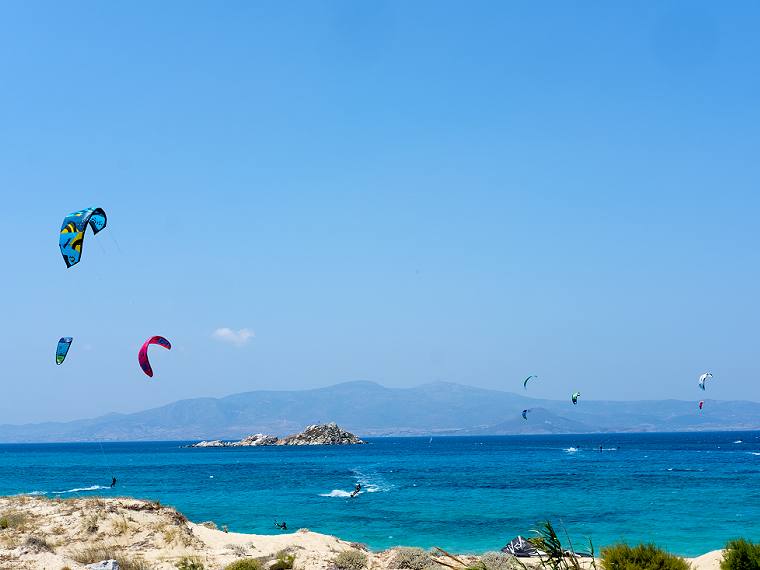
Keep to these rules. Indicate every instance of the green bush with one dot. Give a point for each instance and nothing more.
(411, 559)
(284, 561)
(244, 564)
(351, 559)
(741, 554)
(641, 557)
(190, 563)
(12, 520)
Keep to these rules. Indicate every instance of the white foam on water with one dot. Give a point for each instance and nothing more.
(371, 482)
(570, 449)
(738, 441)
(336, 493)
(754, 453)
(80, 490)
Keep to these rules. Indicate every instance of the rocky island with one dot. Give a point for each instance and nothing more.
(317, 434)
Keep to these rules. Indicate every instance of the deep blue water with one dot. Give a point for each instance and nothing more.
(687, 492)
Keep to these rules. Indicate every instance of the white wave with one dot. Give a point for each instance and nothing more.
(738, 441)
(754, 453)
(570, 450)
(336, 493)
(371, 482)
(80, 489)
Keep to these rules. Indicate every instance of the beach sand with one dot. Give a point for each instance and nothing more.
(52, 534)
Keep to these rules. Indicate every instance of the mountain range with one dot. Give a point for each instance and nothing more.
(369, 409)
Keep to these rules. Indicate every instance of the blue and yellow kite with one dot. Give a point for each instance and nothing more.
(72, 232)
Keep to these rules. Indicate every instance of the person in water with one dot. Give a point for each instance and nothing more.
(282, 526)
(113, 482)
(356, 490)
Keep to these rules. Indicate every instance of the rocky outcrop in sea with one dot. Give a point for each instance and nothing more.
(317, 434)
(321, 434)
(250, 441)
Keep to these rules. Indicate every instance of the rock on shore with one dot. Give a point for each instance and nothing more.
(318, 434)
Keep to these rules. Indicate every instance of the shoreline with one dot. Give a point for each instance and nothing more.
(49, 533)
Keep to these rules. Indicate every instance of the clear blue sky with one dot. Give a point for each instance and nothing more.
(401, 192)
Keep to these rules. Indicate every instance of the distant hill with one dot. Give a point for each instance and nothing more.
(369, 409)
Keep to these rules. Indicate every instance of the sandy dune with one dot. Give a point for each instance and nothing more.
(52, 534)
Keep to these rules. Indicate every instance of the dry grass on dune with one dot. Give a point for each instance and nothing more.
(37, 533)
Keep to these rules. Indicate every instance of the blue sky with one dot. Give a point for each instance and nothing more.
(401, 192)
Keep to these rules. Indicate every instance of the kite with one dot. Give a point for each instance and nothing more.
(142, 356)
(575, 397)
(704, 378)
(525, 384)
(62, 349)
(701, 403)
(525, 414)
(72, 232)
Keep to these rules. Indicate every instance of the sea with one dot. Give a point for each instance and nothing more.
(687, 492)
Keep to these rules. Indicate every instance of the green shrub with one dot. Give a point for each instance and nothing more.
(244, 564)
(284, 561)
(641, 557)
(548, 542)
(190, 563)
(411, 559)
(741, 554)
(12, 519)
(351, 559)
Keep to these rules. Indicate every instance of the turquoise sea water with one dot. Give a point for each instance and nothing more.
(687, 492)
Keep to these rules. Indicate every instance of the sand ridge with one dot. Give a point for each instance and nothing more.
(52, 534)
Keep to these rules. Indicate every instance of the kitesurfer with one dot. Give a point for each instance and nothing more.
(113, 482)
(356, 490)
(282, 526)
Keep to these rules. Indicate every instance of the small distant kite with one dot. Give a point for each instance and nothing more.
(525, 414)
(62, 349)
(575, 397)
(525, 384)
(704, 378)
(72, 232)
(701, 403)
(142, 356)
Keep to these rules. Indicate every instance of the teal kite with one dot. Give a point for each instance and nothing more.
(575, 397)
(62, 349)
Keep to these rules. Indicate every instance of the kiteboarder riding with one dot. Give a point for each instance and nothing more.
(356, 490)
(282, 526)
